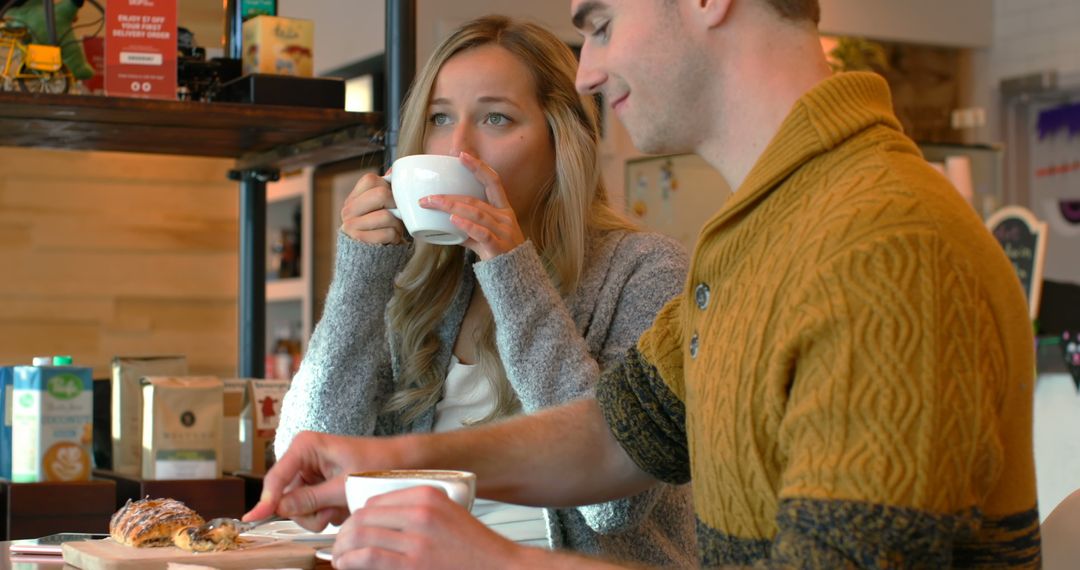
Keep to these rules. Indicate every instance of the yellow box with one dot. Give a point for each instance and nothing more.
(43, 57)
(281, 46)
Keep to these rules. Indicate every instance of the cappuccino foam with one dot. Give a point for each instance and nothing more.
(412, 474)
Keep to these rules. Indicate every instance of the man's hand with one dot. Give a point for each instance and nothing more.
(307, 484)
(419, 527)
(526, 460)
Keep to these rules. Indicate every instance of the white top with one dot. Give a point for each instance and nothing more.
(467, 397)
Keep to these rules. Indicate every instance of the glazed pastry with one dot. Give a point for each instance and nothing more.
(222, 536)
(151, 522)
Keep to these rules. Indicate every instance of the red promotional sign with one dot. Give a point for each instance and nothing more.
(95, 54)
(140, 48)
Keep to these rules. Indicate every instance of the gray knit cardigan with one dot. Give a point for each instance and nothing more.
(553, 350)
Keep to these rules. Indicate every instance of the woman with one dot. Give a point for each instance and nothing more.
(551, 287)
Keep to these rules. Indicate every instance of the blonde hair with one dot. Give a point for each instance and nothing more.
(573, 205)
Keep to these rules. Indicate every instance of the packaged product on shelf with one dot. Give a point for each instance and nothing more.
(280, 46)
(127, 405)
(7, 377)
(51, 423)
(259, 422)
(283, 362)
(230, 428)
(182, 417)
(289, 262)
(276, 246)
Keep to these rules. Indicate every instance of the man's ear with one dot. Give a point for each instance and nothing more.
(714, 11)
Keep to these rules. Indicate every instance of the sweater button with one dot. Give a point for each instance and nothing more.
(693, 346)
(701, 295)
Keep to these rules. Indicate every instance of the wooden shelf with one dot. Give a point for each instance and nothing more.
(263, 139)
(285, 190)
(221, 497)
(258, 136)
(29, 510)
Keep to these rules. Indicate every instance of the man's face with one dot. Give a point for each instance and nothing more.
(635, 53)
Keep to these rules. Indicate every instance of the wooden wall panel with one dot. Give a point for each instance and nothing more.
(103, 254)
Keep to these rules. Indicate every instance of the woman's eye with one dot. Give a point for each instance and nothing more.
(601, 32)
(497, 119)
(439, 119)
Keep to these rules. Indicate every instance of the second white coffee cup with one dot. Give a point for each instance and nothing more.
(460, 486)
(419, 175)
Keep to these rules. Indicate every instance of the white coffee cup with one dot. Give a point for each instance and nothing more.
(419, 175)
(460, 486)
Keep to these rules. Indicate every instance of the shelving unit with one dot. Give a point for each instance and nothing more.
(289, 299)
(282, 290)
(264, 140)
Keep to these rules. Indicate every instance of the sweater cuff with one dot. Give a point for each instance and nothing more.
(359, 261)
(512, 276)
(833, 533)
(646, 418)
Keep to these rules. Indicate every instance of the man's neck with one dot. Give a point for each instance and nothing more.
(772, 76)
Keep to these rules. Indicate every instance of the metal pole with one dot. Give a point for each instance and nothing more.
(234, 37)
(50, 22)
(234, 26)
(252, 293)
(400, 67)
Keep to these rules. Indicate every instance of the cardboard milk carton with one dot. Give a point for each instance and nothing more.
(7, 384)
(51, 423)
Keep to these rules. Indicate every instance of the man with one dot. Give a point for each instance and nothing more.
(846, 381)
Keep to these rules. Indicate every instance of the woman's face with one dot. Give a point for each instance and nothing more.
(484, 103)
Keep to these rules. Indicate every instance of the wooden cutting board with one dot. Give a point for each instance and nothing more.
(261, 553)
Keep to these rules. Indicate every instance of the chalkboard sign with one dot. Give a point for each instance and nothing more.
(1024, 239)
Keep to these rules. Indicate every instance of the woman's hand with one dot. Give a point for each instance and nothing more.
(365, 217)
(492, 226)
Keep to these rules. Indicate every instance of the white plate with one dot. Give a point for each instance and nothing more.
(288, 530)
(521, 531)
(325, 554)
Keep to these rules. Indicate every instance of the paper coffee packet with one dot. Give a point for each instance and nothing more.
(127, 405)
(230, 428)
(51, 423)
(259, 422)
(182, 417)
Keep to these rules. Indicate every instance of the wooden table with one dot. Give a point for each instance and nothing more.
(19, 562)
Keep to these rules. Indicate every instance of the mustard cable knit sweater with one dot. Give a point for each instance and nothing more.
(847, 377)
